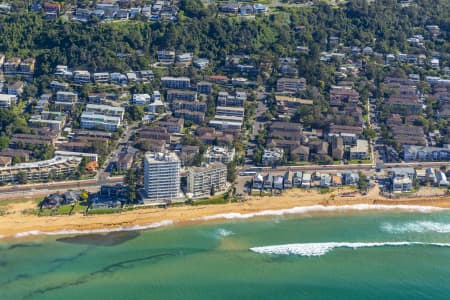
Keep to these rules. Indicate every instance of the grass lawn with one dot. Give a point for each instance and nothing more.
(324, 190)
(302, 163)
(36, 200)
(104, 211)
(62, 210)
(219, 199)
(364, 161)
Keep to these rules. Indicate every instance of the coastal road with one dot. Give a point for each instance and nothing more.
(350, 167)
(30, 194)
(43, 189)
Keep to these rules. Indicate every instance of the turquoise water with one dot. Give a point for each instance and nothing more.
(213, 261)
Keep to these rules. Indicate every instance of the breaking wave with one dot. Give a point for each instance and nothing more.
(321, 208)
(319, 249)
(417, 227)
(91, 231)
(222, 232)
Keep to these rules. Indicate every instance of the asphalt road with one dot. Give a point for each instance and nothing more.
(352, 167)
(43, 189)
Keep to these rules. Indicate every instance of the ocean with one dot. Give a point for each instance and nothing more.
(331, 255)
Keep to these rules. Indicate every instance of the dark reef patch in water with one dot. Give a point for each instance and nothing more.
(106, 239)
(22, 245)
(103, 271)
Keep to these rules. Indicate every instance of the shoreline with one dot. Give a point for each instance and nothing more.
(15, 224)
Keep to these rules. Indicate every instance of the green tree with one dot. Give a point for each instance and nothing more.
(82, 165)
(4, 142)
(231, 171)
(362, 183)
(135, 113)
(22, 177)
(131, 180)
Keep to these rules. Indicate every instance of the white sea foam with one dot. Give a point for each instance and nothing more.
(93, 231)
(222, 232)
(417, 227)
(321, 208)
(319, 249)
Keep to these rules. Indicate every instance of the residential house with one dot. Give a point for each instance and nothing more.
(201, 63)
(166, 56)
(297, 179)
(287, 180)
(184, 57)
(268, 182)
(219, 154)
(11, 66)
(272, 156)
(402, 180)
(81, 76)
(350, 178)
(360, 151)
(278, 182)
(5, 161)
(141, 99)
(299, 153)
(306, 180)
(257, 182)
(124, 162)
(441, 178)
(229, 8)
(16, 88)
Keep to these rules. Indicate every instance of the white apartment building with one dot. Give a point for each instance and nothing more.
(141, 99)
(90, 120)
(106, 110)
(7, 100)
(162, 177)
(202, 180)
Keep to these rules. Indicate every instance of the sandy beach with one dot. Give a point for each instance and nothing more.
(15, 223)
